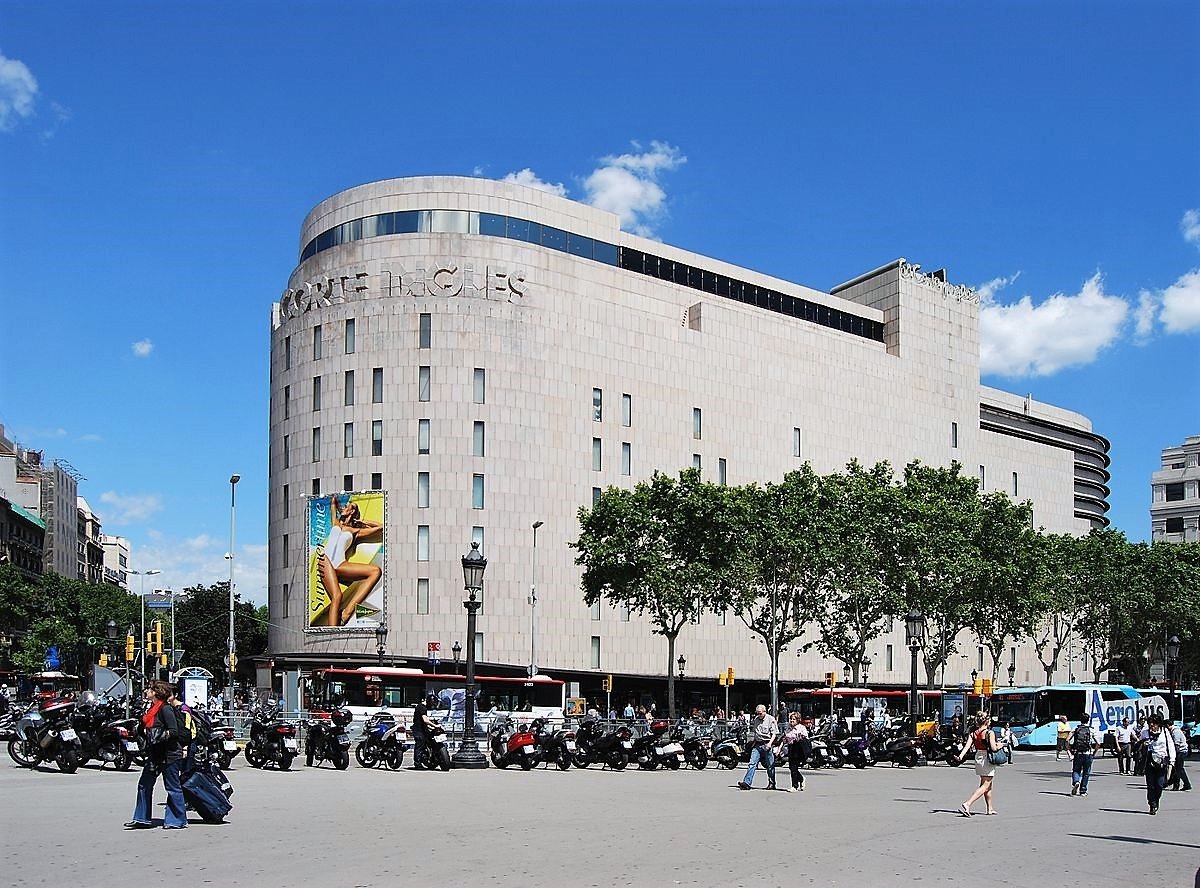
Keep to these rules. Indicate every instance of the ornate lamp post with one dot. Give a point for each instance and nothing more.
(914, 630)
(1012, 673)
(381, 631)
(473, 565)
(457, 649)
(682, 664)
(1173, 661)
(866, 668)
(847, 673)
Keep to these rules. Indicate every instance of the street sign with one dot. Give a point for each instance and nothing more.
(434, 652)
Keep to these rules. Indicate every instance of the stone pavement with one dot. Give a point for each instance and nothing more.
(883, 826)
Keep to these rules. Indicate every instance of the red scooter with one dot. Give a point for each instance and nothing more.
(512, 747)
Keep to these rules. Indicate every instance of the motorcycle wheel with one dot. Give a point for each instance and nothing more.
(727, 760)
(836, 759)
(341, 760)
(367, 754)
(21, 752)
(698, 759)
(122, 761)
(394, 759)
(68, 762)
(223, 760)
(444, 759)
(907, 759)
(672, 764)
(285, 762)
(580, 760)
(254, 757)
(527, 763)
(648, 765)
(498, 762)
(618, 760)
(564, 760)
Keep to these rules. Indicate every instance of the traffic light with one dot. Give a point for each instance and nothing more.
(606, 683)
(156, 639)
(977, 687)
(103, 658)
(729, 676)
(129, 648)
(723, 679)
(162, 659)
(831, 678)
(987, 687)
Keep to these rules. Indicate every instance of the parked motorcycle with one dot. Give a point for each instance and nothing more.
(45, 734)
(826, 752)
(328, 740)
(272, 740)
(733, 749)
(594, 744)
(369, 751)
(103, 733)
(655, 748)
(695, 747)
(436, 753)
(512, 746)
(858, 752)
(222, 747)
(395, 741)
(554, 745)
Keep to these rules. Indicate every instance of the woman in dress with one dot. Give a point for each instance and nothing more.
(336, 570)
(983, 741)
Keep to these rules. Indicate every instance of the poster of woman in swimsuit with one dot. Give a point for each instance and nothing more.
(346, 556)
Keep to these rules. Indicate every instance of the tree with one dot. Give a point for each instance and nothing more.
(202, 629)
(1060, 599)
(660, 549)
(859, 515)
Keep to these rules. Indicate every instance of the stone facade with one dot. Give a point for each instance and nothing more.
(1175, 494)
(549, 328)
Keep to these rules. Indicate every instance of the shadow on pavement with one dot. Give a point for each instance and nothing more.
(1053, 792)
(1137, 840)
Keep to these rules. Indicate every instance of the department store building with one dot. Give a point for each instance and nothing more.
(492, 356)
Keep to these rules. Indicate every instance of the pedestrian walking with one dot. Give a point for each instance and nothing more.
(1123, 738)
(164, 752)
(1084, 746)
(629, 711)
(1160, 757)
(1063, 736)
(1178, 773)
(799, 747)
(982, 741)
(763, 731)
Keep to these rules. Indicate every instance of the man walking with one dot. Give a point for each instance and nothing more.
(1178, 774)
(1083, 748)
(1123, 736)
(1062, 736)
(763, 731)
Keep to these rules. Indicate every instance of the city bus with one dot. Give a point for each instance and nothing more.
(1185, 709)
(1033, 712)
(366, 689)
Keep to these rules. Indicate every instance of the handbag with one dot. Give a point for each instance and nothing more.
(157, 736)
(999, 757)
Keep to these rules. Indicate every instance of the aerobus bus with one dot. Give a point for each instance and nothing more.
(1185, 709)
(367, 689)
(1033, 712)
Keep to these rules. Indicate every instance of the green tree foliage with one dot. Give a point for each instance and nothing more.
(202, 630)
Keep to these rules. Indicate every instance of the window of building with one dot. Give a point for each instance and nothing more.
(287, 600)
(980, 667)
(317, 342)
(316, 393)
(422, 436)
(286, 556)
(377, 480)
(425, 336)
(626, 458)
(1174, 493)
(1012, 656)
(287, 459)
(287, 353)
(697, 461)
(315, 487)
(477, 537)
(477, 491)
(347, 482)
(888, 659)
(287, 401)
(1015, 486)
(623, 611)
(479, 386)
(953, 434)
(422, 490)
(982, 478)
(347, 441)
(377, 437)
(377, 385)
(422, 596)
(596, 491)
(287, 500)
(1174, 525)
(627, 410)
(423, 384)
(797, 443)
(478, 647)
(697, 424)
(722, 477)
(723, 616)
(316, 444)
(597, 455)
(348, 389)
(423, 542)
(595, 610)
(597, 405)
(349, 336)
(477, 440)
(595, 651)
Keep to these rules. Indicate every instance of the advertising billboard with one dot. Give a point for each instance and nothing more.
(346, 560)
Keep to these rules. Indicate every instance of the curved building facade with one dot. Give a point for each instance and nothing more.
(491, 356)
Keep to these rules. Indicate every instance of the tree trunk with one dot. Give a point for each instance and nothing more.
(671, 636)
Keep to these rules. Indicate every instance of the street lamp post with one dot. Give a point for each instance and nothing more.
(1173, 660)
(473, 565)
(142, 641)
(381, 631)
(533, 607)
(914, 626)
(866, 667)
(232, 656)
(456, 648)
(682, 664)
(1012, 673)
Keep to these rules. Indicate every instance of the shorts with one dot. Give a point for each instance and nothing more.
(983, 767)
(1062, 744)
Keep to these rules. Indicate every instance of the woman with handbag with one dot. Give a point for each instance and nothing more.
(1160, 756)
(163, 755)
(983, 741)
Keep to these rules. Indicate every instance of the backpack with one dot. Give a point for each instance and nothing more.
(1081, 739)
(199, 726)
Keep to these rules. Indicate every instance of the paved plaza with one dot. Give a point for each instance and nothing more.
(883, 826)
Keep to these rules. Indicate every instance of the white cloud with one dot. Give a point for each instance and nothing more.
(1189, 225)
(1022, 339)
(142, 348)
(627, 184)
(18, 89)
(198, 562)
(1181, 304)
(90, 437)
(987, 292)
(130, 508)
(530, 178)
(1147, 309)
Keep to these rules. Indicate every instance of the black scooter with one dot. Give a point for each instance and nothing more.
(328, 740)
(593, 744)
(272, 740)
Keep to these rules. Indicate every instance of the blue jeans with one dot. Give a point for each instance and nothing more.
(1082, 770)
(767, 756)
(176, 809)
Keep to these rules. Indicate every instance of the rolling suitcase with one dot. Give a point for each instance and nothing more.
(203, 794)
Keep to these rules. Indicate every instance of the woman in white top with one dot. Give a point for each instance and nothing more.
(346, 530)
(1160, 756)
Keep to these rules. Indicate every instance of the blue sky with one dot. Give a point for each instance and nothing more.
(156, 161)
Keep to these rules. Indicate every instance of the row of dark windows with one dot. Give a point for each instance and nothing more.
(496, 225)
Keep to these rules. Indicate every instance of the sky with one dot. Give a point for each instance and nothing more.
(157, 159)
